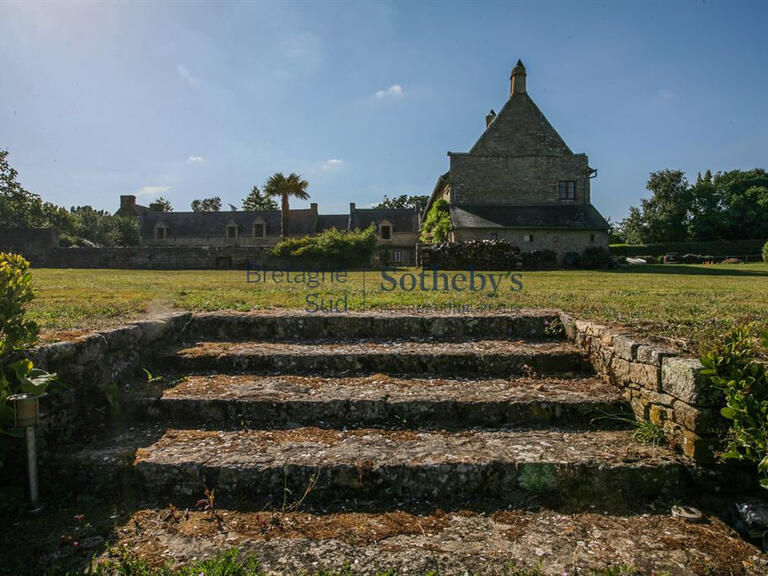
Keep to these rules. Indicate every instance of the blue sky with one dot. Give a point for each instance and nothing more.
(364, 99)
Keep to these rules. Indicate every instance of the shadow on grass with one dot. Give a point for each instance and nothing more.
(689, 270)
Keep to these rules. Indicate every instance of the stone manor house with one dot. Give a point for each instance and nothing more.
(520, 182)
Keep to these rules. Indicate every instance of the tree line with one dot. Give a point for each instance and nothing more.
(730, 205)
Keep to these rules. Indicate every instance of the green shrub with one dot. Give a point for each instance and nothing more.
(17, 333)
(743, 381)
(594, 258)
(765, 251)
(332, 248)
(437, 223)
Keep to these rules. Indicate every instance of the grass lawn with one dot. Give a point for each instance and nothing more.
(685, 302)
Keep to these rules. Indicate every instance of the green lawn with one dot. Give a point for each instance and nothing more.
(686, 302)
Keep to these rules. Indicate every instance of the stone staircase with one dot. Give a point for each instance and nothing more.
(315, 431)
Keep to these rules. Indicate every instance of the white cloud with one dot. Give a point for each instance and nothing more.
(665, 94)
(196, 159)
(186, 75)
(332, 164)
(152, 190)
(394, 91)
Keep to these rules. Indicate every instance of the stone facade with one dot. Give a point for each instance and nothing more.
(520, 161)
(249, 233)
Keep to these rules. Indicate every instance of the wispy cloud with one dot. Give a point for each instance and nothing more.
(393, 92)
(152, 190)
(665, 94)
(332, 164)
(186, 75)
(196, 159)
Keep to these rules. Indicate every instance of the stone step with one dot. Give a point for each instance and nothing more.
(544, 542)
(477, 358)
(384, 467)
(256, 401)
(293, 325)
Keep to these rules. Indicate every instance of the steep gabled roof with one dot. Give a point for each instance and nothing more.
(520, 129)
(328, 221)
(550, 216)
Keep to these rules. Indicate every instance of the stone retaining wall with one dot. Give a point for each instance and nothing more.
(660, 385)
(88, 369)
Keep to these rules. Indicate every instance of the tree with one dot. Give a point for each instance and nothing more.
(161, 205)
(18, 208)
(207, 205)
(403, 201)
(258, 201)
(279, 185)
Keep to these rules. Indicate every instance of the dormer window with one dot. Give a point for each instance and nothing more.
(386, 231)
(259, 230)
(231, 231)
(160, 232)
(567, 190)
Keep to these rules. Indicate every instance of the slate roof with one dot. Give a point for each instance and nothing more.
(402, 219)
(328, 221)
(212, 224)
(552, 216)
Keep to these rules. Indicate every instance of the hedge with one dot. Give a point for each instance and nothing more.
(717, 248)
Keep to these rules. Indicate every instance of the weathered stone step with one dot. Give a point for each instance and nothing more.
(453, 543)
(476, 358)
(293, 325)
(220, 400)
(575, 470)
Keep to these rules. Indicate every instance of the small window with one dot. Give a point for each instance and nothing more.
(567, 190)
(397, 256)
(591, 237)
(258, 230)
(494, 236)
(528, 237)
(160, 233)
(386, 232)
(232, 231)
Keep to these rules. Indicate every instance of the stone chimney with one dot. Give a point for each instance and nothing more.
(313, 207)
(351, 207)
(128, 202)
(489, 118)
(517, 80)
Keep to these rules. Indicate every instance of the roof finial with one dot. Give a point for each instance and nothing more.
(517, 85)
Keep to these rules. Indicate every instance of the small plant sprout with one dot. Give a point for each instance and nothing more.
(150, 378)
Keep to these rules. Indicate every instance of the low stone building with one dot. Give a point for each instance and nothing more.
(521, 183)
(397, 229)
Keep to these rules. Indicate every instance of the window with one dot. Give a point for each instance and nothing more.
(591, 237)
(494, 236)
(567, 190)
(232, 231)
(528, 237)
(397, 256)
(160, 233)
(386, 231)
(258, 230)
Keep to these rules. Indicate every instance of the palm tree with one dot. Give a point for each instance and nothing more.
(279, 185)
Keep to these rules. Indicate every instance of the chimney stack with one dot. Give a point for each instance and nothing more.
(313, 207)
(128, 201)
(351, 207)
(517, 80)
(489, 118)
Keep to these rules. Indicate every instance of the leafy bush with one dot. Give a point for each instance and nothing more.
(17, 333)
(765, 251)
(437, 223)
(332, 248)
(477, 254)
(743, 381)
(718, 248)
(594, 258)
